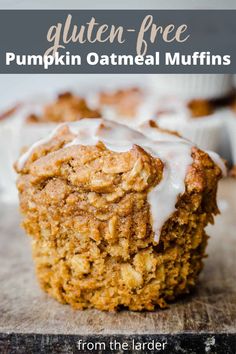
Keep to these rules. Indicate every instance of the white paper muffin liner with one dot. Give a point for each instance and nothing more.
(192, 86)
(13, 139)
(209, 133)
(231, 127)
(15, 134)
(205, 132)
(9, 147)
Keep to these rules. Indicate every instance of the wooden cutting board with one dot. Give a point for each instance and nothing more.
(203, 322)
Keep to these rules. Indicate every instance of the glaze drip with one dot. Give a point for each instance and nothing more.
(172, 150)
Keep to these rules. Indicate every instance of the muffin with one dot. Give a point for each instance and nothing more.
(200, 119)
(197, 120)
(66, 108)
(117, 217)
(194, 106)
(121, 105)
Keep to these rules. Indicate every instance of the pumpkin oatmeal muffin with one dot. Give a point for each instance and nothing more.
(121, 103)
(66, 108)
(117, 217)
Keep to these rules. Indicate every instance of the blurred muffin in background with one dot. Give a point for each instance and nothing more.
(200, 121)
(121, 105)
(233, 172)
(66, 108)
(194, 105)
(35, 118)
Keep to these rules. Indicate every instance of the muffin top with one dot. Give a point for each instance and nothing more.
(66, 108)
(141, 105)
(173, 107)
(125, 101)
(195, 109)
(150, 161)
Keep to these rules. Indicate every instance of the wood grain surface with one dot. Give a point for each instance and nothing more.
(25, 309)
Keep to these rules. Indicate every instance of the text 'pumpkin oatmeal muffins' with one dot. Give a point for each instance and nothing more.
(117, 218)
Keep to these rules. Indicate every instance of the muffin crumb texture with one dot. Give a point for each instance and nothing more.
(86, 209)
